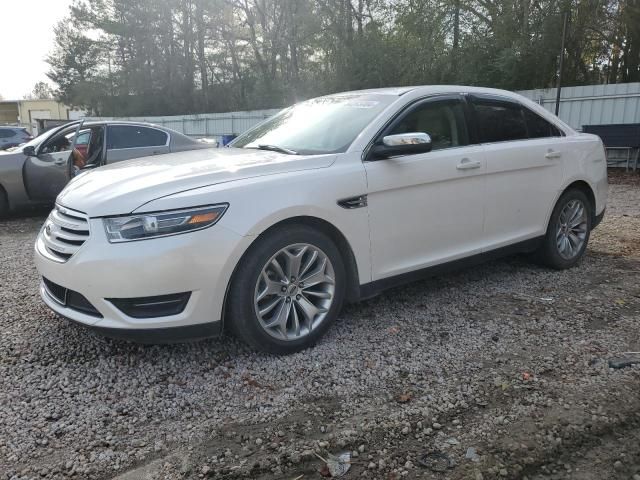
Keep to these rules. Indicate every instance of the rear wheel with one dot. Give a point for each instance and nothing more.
(287, 291)
(568, 231)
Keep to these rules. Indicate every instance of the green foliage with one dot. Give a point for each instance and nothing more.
(145, 57)
(41, 90)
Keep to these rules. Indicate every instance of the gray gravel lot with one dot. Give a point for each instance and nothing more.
(508, 358)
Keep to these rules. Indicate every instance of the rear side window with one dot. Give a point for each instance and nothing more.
(538, 127)
(127, 136)
(499, 121)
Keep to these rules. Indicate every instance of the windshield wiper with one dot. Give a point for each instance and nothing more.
(276, 148)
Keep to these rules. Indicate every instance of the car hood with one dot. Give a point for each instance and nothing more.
(124, 186)
(14, 151)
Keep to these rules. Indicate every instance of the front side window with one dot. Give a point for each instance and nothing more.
(322, 125)
(538, 127)
(130, 136)
(443, 121)
(499, 121)
(60, 142)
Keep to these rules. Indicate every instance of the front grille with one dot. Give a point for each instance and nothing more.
(64, 232)
(70, 298)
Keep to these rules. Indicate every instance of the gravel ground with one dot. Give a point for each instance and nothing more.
(508, 359)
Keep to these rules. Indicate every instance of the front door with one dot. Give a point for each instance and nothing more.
(427, 208)
(47, 173)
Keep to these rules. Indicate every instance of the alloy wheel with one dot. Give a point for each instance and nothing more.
(294, 291)
(571, 230)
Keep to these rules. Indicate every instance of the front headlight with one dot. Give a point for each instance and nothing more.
(160, 224)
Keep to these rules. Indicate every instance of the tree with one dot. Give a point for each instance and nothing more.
(40, 91)
(163, 57)
(76, 67)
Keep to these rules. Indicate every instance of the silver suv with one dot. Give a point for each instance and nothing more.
(13, 136)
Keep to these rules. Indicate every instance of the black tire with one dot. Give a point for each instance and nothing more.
(549, 253)
(241, 318)
(4, 204)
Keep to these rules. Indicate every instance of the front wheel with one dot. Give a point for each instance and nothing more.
(568, 232)
(287, 290)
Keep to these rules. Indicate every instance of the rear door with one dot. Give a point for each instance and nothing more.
(524, 156)
(47, 173)
(133, 141)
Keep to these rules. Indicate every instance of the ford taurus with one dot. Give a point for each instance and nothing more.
(329, 201)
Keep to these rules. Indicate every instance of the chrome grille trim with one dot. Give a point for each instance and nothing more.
(64, 232)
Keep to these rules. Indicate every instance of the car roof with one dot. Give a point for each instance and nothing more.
(90, 123)
(175, 135)
(395, 91)
(432, 89)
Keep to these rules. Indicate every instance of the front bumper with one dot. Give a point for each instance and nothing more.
(155, 336)
(200, 263)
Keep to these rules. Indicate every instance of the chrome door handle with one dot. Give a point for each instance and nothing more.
(551, 154)
(466, 164)
(59, 162)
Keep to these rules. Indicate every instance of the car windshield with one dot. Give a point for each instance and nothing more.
(322, 125)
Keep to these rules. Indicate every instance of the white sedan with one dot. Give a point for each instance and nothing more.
(331, 200)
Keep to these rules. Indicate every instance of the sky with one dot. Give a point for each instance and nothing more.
(26, 34)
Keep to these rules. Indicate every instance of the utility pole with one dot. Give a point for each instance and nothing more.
(565, 19)
(111, 100)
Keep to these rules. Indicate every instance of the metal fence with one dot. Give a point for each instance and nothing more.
(592, 104)
(211, 125)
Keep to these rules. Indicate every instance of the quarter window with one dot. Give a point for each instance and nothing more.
(125, 136)
(538, 127)
(500, 121)
(443, 121)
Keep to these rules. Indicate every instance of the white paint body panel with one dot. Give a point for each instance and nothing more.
(421, 200)
(422, 210)
(521, 188)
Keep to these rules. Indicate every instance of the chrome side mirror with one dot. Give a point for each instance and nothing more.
(402, 144)
(415, 138)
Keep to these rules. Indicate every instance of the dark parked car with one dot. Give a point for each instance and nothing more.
(13, 136)
(36, 172)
